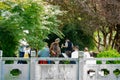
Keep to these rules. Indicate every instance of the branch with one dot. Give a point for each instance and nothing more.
(98, 42)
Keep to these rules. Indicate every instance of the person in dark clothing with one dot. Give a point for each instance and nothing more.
(68, 47)
(21, 53)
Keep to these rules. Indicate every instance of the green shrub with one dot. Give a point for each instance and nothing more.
(99, 62)
(66, 62)
(15, 72)
(9, 62)
(116, 72)
(111, 53)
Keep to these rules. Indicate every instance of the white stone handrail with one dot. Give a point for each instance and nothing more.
(101, 71)
(79, 71)
(36, 58)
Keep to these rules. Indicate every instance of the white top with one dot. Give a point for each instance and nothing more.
(27, 51)
(86, 55)
(74, 54)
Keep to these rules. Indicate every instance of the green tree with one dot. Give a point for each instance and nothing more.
(8, 42)
(78, 36)
(101, 16)
(38, 18)
(75, 23)
(106, 13)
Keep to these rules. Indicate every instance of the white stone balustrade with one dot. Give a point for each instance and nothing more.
(79, 71)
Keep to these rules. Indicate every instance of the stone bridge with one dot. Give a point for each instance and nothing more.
(83, 69)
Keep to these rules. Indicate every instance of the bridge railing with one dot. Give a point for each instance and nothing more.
(101, 69)
(32, 69)
(13, 68)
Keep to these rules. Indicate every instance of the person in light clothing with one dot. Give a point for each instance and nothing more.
(75, 52)
(87, 55)
(45, 52)
(27, 51)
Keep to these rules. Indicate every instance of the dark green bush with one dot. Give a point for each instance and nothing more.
(116, 72)
(99, 62)
(15, 72)
(9, 62)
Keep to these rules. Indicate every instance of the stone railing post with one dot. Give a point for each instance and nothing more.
(56, 70)
(78, 69)
(32, 65)
(80, 65)
(32, 68)
(1, 53)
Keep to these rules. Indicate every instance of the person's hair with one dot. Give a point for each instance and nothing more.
(67, 39)
(27, 46)
(86, 49)
(57, 39)
(77, 47)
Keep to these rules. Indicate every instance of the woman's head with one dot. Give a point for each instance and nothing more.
(57, 40)
(86, 49)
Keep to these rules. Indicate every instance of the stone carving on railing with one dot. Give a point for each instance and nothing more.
(56, 72)
(103, 71)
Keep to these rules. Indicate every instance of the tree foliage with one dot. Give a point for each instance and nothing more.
(107, 13)
(101, 16)
(30, 20)
(78, 36)
(8, 42)
(75, 23)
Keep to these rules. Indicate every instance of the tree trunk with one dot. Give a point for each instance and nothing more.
(117, 42)
(98, 41)
(110, 36)
(105, 40)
